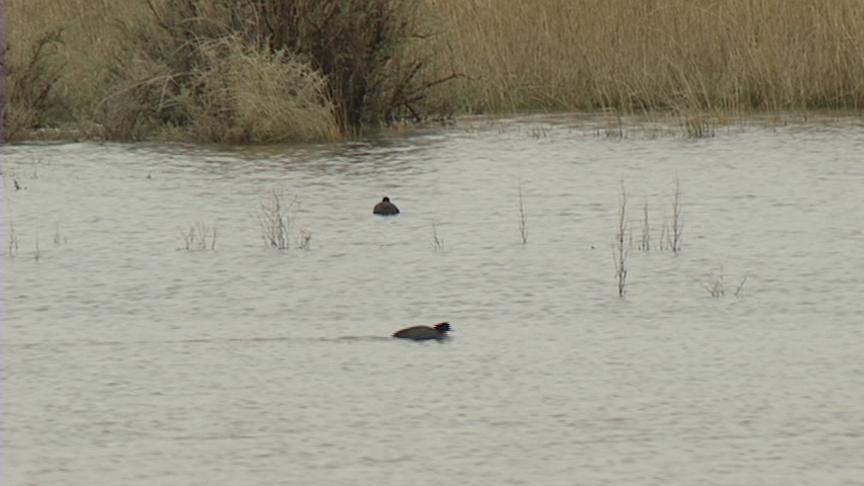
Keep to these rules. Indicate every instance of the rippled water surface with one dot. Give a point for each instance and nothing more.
(127, 359)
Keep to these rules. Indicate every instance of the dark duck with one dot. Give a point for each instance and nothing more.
(424, 333)
(385, 208)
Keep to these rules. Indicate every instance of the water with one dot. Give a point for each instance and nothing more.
(128, 360)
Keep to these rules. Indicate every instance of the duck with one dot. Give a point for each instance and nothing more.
(424, 333)
(385, 208)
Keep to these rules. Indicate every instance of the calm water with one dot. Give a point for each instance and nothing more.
(128, 360)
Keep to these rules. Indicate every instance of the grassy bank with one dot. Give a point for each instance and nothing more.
(317, 70)
(657, 54)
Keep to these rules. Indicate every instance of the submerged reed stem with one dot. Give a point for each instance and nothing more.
(523, 219)
(620, 250)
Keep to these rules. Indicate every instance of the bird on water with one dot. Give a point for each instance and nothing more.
(385, 208)
(424, 333)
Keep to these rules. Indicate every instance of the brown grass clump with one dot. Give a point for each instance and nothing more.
(189, 69)
(231, 94)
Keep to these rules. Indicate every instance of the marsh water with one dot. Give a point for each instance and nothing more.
(129, 359)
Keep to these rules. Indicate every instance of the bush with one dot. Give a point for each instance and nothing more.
(267, 70)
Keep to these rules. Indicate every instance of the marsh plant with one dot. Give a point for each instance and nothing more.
(615, 128)
(620, 248)
(677, 229)
(12, 247)
(37, 252)
(714, 284)
(58, 238)
(304, 240)
(672, 232)
(697, 126)
(538, 132)
(642, 56)
(645, 241)
(437, 241)
(158, 64)
(199, 237)
(270, 70)
(523, 218)
(277, 220)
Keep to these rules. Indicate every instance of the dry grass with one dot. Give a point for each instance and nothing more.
(657, 54)
(381, 60)
(233, 95)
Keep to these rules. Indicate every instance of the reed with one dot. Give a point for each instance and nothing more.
(437, 241)
(687, 55)
(523, 219)
(12, 248)
(37, 252)
(199, 237)
(698, 126)
(620, 249)
(676, 232)
(645, 242)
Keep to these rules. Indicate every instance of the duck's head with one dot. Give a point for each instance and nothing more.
(443, 327)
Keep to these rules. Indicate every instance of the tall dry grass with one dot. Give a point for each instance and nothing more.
(78, 41)
(629, 55)
(511, 55)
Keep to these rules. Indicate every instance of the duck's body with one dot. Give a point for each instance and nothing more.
(424, 333)
(385, 208)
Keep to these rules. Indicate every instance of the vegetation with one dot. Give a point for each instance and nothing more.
(277, 223)
(620, 250)
(199, 237)
(687, 55)
(274, 70)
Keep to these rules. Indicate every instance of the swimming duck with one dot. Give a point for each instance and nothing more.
(385, 208)
(424, 333)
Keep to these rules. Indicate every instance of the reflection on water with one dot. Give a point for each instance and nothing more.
(128, 360)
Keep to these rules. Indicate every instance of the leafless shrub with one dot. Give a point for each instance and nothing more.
(270, 70)
(277, 221)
